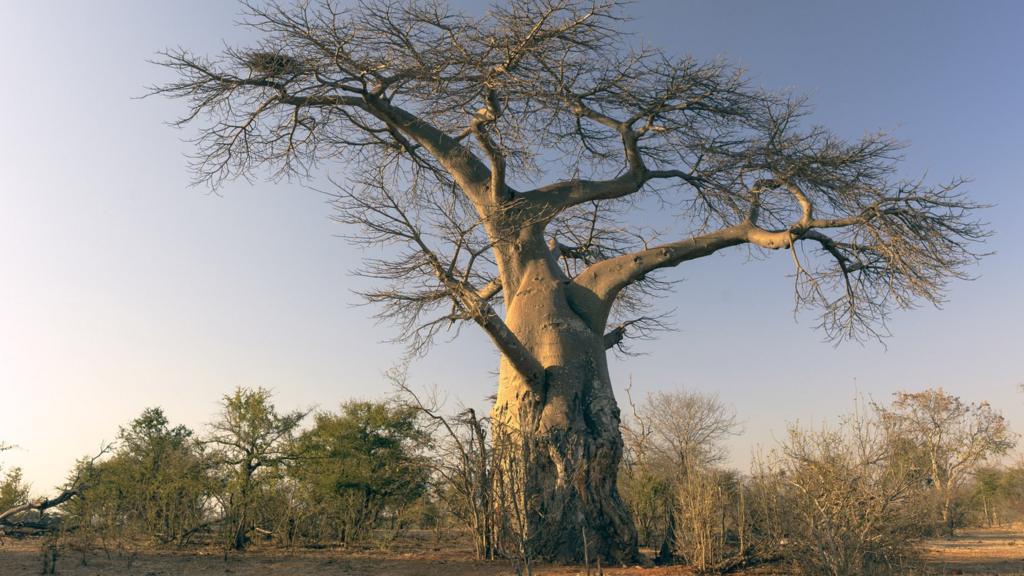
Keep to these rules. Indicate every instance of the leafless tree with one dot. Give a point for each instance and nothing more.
(951, 436)
(673, 443)
(686, 428)
(499, 158)
(464, 462)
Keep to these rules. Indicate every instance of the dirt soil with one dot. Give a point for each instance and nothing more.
(989, 552)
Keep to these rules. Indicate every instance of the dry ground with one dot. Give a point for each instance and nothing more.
(989, 552)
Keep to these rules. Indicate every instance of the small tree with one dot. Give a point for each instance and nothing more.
(685, 429)
(75, 525)
(161, 478)
(1011, 494)
(363, 462)
(987, 492)
(249, 439)
(708, 520)
(949, 437)
(13, 490)
(30, 513)
(156, 486)
(648, 493)
(673, 443)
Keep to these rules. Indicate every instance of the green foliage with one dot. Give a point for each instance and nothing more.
(362, 465)
(251, 433)
(647, 491)
(948, 439)
(156, 485)
(850, 499)
(150, 437)
(251, 443)
(996, 497)
(13, 490)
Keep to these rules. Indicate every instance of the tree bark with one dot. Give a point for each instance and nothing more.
(241, 537)
(563, 432)
(948, 519)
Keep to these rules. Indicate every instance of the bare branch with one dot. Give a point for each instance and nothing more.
(642, 328)
(453, 105)
(72, 489)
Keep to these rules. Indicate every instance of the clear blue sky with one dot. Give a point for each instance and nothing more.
(122, 288)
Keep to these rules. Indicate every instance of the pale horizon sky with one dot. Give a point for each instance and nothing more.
(121, 287)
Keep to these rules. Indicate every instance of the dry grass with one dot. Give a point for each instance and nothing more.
(990, 552)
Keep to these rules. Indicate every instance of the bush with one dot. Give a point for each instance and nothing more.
(709, 519)
(360, 468)
(156, 486)
(847, 500)
(13, 490)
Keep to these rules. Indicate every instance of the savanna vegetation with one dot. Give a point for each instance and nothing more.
(853, 497)
(505, 166)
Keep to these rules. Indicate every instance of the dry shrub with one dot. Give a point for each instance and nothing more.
(846, 499)
(672, 444)
(708, 519)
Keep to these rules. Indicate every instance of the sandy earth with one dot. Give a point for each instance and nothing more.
(989, 552)
(23, 559)
(992, 551)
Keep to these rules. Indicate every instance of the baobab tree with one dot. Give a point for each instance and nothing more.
(498, 158)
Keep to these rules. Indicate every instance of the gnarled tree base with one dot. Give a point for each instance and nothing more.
(557, 454)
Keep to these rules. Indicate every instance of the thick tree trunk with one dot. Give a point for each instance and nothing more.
(560, 441)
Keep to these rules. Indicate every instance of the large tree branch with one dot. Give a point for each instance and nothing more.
(469, 172)
(481, 311)
(484, 118)
(640, 328)
(208, 88)
(474, 303)
(390, 87)
(489, 290)
(40, 505)
(561, 195)
(605, 279)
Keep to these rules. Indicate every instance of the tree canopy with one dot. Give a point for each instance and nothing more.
(461, 130)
